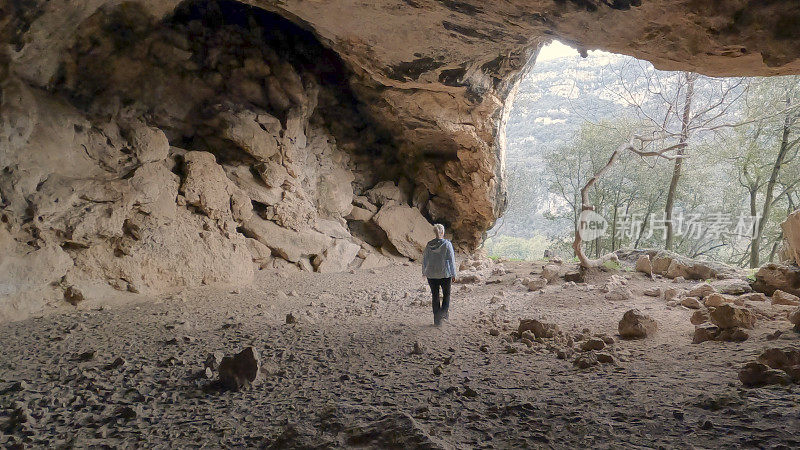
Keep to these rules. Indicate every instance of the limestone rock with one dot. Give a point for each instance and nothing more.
(536, 283)
(733, 335)
(771, 277)
(243, 129)
(239, 371)
(700, 316)
(337, 257)
(149, 144)
(731, 316)
(289, 244)
(705, 332)
(405, 228)
(701, 290)
(714, 300)
(791, 236)
(538, 328)
(386, 193)
(754, 297)
(643, 265)
(734, 286)
(551, 272)
(755, 374)
(691, 303)
(635, 325)
(207, 187)
(794, 317)
(784, 298)
(653, 292)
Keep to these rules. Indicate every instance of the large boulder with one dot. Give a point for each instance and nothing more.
(635, 325)
(771, 277)
(672, 265)
(405, 228)
(252, 133)
(337, 257)
(733, 286)
(791, 236)
(784, 298)
(289, 244)
(385, 193)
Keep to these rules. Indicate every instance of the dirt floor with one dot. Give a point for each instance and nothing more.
(345, 375)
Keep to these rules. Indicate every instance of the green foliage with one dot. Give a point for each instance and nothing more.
(612, 265)
(570, 115)
(513, 248)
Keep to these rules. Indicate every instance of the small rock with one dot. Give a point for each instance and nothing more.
(700, 316)
(539, 329)
(469, 392)
(605, 358)
(653, 292)
(437, 370)
(239, 371)
(593, 344)
(705, 332)
(755, 374)
(417, 350)
(701, 290)
(672, 293)
(754, 297)
(733, 335)
(635, 325)
(85, 356)
(619, 294)
(691, 302)
(550, 272)
(494, 332)
(732, 316)
(585, 360)
(714, 300)
(290, 319)
(117, 363)
(733, 286)
(73, 295)
(644, 265)
(780, 297)
(794, 318)
(536, 284)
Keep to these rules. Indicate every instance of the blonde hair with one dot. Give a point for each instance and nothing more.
(439, 230)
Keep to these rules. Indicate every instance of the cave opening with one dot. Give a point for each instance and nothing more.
(704, 200)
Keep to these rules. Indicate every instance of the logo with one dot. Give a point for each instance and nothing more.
(591, 225)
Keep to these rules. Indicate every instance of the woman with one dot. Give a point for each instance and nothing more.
(439, 266)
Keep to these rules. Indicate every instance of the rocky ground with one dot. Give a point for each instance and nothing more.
(348, 373)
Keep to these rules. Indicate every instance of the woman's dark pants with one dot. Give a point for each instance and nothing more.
(440, 310)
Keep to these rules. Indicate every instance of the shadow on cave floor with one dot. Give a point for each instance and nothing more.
(344, 374)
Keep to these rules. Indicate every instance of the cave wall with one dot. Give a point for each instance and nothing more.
(146, 146)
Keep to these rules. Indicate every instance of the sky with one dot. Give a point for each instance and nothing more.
(557, 50)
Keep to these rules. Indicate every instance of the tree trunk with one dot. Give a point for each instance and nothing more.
(755, 246)
(676, 170)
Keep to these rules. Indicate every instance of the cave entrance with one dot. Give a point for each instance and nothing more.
(730, 181)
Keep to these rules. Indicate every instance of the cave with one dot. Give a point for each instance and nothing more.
(213, 215)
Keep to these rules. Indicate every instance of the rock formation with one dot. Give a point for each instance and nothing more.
(146, 146)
